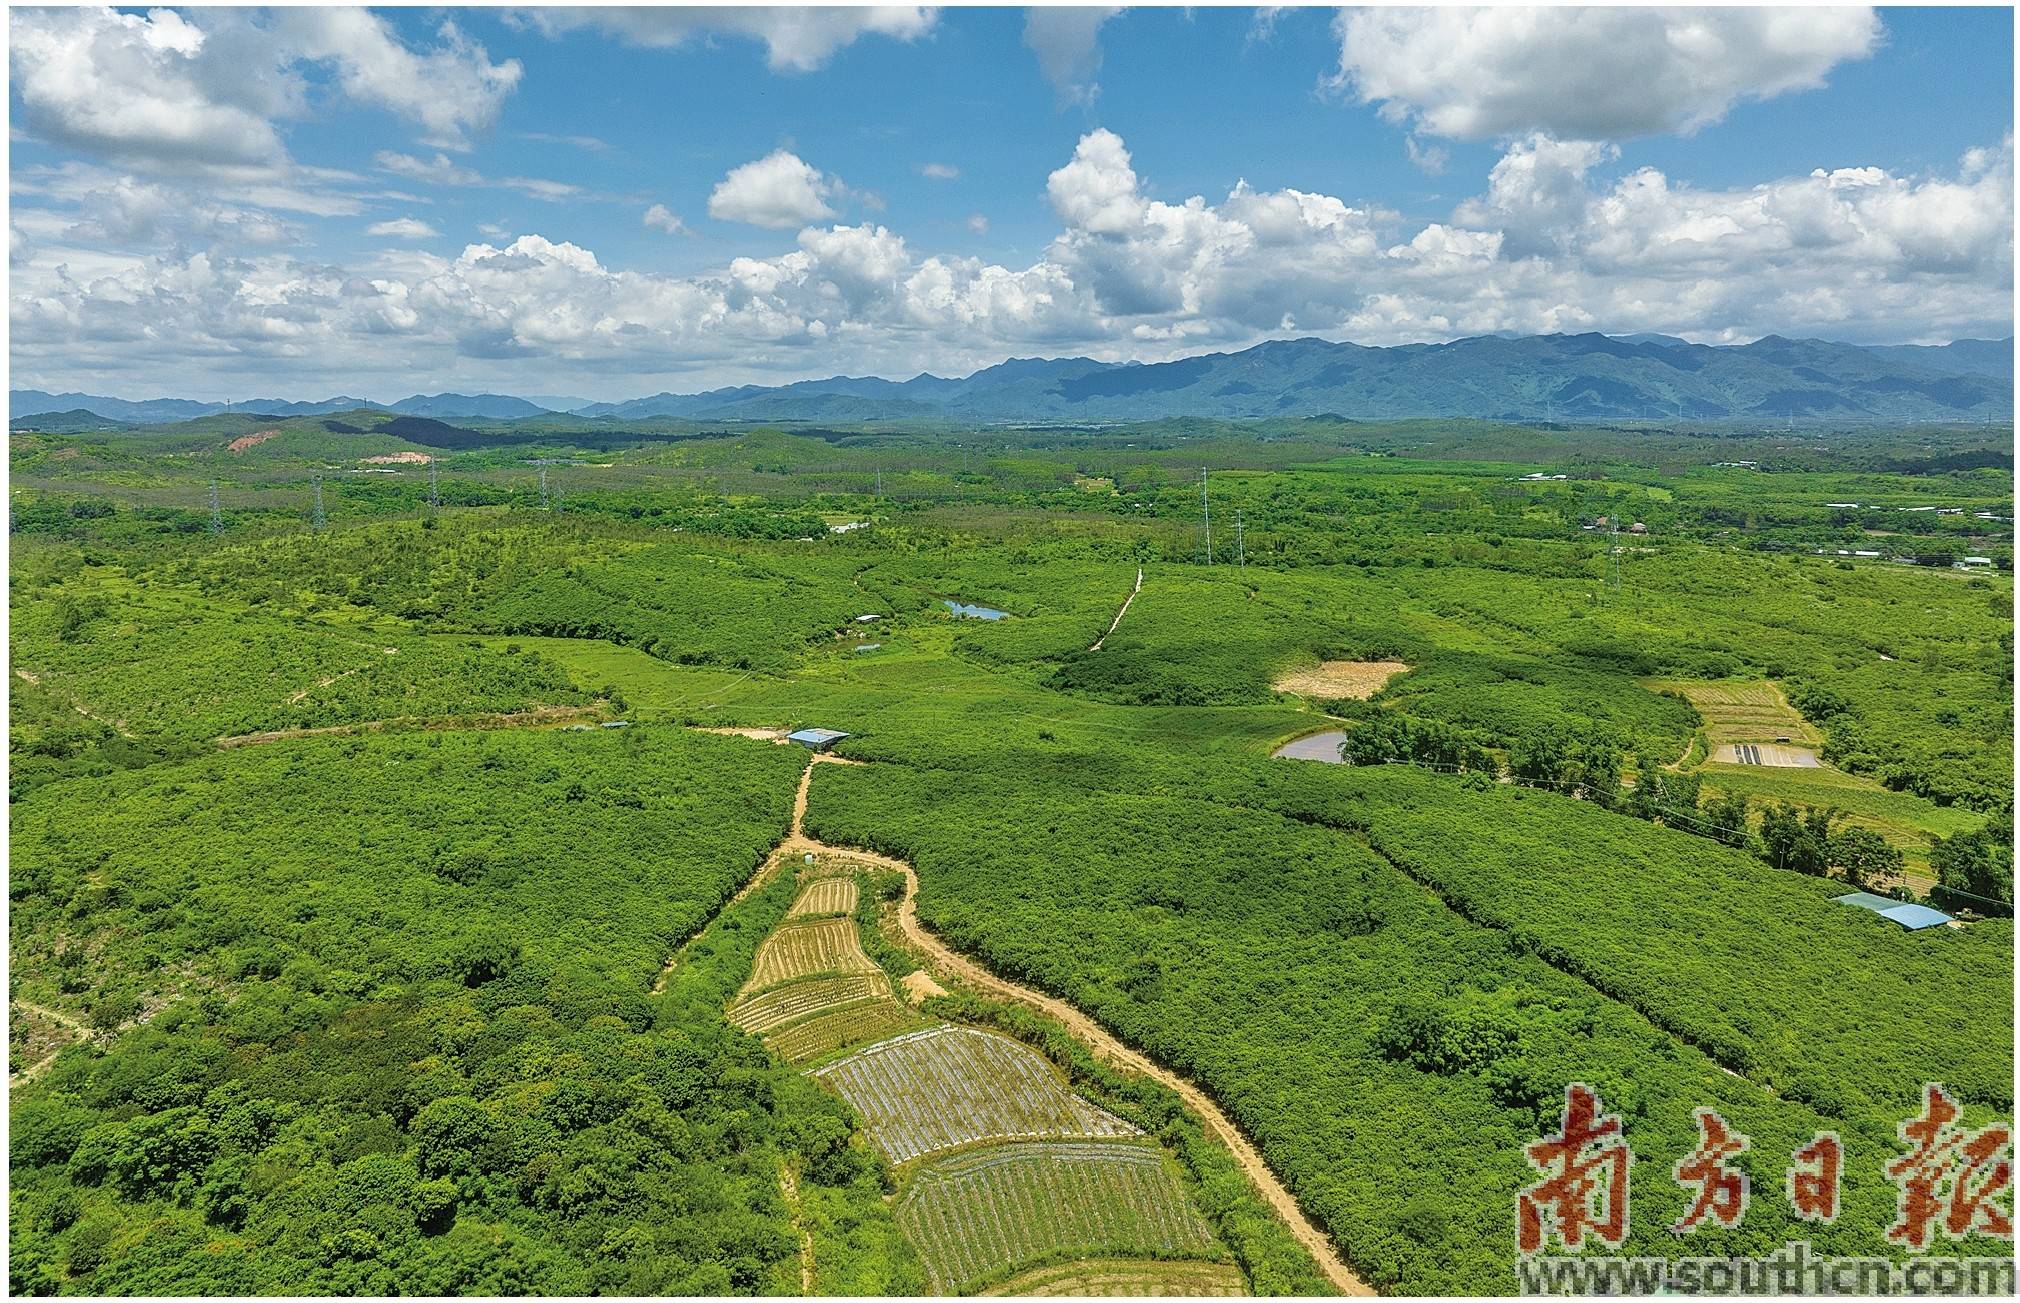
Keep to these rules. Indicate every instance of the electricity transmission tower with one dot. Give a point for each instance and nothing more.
(318, 520)
(434, 484)
(216, 512)
(1240, 553)
(1613, 558)
(543, 488)
(1206, 515)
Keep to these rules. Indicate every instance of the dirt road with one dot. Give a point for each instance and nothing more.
(1116, 623)
(1114, 1052)
(1105, 1046)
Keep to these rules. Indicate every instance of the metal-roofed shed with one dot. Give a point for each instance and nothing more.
(816, 739)
(1916, 917)
(1909, 915)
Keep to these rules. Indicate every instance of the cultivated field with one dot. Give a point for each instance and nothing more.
(1341, 680)
(759, 1014)
(825, 896)
(872, 1020)
(952, 1086)
(827, 945)
(1124, 1278)
(1742, 710)
(979, 1214)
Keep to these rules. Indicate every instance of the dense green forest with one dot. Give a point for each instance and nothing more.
(382, 1004)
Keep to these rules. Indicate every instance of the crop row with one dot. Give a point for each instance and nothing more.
(979, 1214)
(955, 1086)
(872, 1020)
(825, 896)
(826, 945)
(775, 1008)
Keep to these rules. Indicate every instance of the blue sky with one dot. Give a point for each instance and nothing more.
(380, 202)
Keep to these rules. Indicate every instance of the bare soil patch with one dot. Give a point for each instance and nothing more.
(1341, 680)
(252, 440)
(920, 986)
(397, 459)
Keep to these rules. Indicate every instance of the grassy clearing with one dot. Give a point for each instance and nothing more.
(1907, 821)
(981, 1214)
(953, 1086)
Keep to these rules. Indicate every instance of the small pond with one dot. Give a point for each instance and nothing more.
(1314, 746)
(969, 610)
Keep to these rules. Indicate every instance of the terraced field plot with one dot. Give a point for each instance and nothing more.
(975, 1215)
(1743, 710)
(775, 1008)
(952, 1086)
(795, 950)
(825, 896)
(1124, 1278)
(872, 1020)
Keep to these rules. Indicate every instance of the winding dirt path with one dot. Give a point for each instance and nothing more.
(78, 1032)
(789, 1189)
(794, 843)
(1114, 1052)
(1098, 1039)
(531, 717)
(1116, 623)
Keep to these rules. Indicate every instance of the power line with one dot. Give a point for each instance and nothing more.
(1206, 514)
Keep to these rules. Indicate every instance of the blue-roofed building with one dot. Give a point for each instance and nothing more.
(1916, 917)
(1909, 915)
(816, 739)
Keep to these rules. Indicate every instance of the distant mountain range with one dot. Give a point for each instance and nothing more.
(158, 411)
(1553, 377)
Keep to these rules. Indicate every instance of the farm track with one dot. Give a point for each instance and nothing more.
(1111, 1050)
(537, 717)
(78, 1032)
(1116, 623)
(1098, 1039)
(794, 843)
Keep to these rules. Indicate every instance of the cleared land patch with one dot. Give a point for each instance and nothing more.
(1773, 755)
(825, 896)
(978, 1214)
(827, 945)
(1341, 680)
(1124, 1278)
(952, 1086)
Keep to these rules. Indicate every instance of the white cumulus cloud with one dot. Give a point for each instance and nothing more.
(796, 39)
(403, 228)
(778, 191)
(207, 90)
(1067, 42)
(1587, 73)
(661, 218)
